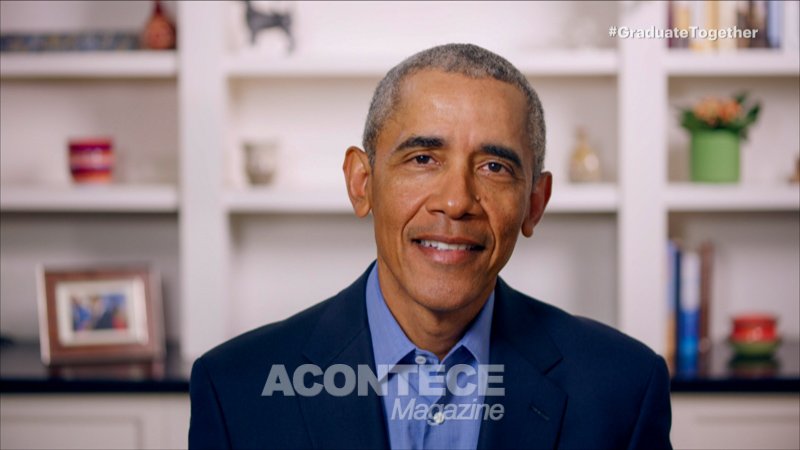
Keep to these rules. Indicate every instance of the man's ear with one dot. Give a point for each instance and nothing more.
(357, 176)
(539, 198)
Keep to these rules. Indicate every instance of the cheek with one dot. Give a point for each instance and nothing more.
(396, 202)
(506, 219)
(506, 233)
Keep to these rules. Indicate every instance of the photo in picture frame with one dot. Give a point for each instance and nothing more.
(100, 314)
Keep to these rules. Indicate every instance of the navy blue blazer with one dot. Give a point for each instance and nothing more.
(570, 383)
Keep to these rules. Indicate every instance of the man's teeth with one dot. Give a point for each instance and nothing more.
(445, 246)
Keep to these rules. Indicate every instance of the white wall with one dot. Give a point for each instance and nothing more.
(28, 240)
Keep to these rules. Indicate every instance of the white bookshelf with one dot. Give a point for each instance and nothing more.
(114, 198)
(753, 224)
(99, 65)
(314, 101)
(741, 63)
(260, 254)
(689, 197)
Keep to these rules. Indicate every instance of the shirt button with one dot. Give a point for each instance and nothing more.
(438, 418)
(419, 359)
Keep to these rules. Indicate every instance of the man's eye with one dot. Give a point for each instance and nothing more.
(422, 159)
(495, 167)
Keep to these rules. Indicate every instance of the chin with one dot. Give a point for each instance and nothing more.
(448, 297)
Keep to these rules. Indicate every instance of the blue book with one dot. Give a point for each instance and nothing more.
(689, 313)
(774, 18)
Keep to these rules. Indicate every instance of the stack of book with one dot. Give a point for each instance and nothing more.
(69, 42)
(689, 294)
(741, 17)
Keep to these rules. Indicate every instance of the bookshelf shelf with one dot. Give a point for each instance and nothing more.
(686, 197)
(122, 64)
(251, 65)
(284, 201)
(740, 63)
(106, 199)
(589, 198)
(550, 63)
(601, 198)
(600, 62)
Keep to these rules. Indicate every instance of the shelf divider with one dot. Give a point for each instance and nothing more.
(107, 198)
(581, 199)
(110, 64)
(600, 62)
(740, 63)
(738, 197)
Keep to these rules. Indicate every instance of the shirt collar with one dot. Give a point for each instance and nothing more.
(390, 344)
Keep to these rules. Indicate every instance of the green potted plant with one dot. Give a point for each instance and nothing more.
(716, 126)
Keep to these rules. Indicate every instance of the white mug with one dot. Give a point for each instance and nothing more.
(261, 161)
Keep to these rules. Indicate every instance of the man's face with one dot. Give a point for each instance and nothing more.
(451, 188)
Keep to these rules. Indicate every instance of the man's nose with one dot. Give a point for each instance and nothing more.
(455, 194)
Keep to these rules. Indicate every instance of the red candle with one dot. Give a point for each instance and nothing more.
(91, 160)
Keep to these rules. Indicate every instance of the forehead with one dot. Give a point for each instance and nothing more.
(428, 85)
(455, 106)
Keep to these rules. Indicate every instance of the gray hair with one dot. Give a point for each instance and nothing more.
(465, 59)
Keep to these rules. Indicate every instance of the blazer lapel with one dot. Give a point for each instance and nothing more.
(533, 404)
(342, 337)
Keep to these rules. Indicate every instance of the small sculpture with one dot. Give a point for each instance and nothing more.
(261, 161)
(258, 21)
(584, 164)
(159, 33)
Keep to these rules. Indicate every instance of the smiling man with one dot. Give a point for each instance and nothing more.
(430, 348)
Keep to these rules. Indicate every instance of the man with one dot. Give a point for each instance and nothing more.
(452, 172)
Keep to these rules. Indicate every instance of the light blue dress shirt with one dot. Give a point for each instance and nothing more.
(400, 364)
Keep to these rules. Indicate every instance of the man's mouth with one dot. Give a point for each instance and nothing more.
(446, 246)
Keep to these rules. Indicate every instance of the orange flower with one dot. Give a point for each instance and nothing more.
(708, 110)
(729, 111)
(721, 113)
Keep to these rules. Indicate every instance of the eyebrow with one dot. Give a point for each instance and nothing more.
(421, 142)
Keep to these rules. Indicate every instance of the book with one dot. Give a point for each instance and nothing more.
(682, 19)
(699, 14)
(791, 27)
(689, 297)
(711, 15)
(758, 21)
(672, 41)
(672, 271)
(727, 20)
(752, 23)
(689, 313)
(774, 25)
(743, 22)
(706, 251)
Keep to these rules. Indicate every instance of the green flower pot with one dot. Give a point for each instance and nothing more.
(715, 156)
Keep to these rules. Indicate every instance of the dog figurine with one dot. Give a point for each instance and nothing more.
(258, 21)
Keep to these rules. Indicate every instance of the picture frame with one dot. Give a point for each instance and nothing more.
(99, 315)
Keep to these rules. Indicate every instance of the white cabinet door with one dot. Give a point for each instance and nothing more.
(89, 421)
(731, 421)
